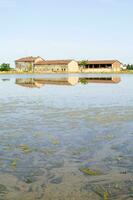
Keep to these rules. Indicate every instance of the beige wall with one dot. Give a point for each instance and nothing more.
(51, 68)
(117, 66)
(24, 66)
(73, 66)
(27, 66)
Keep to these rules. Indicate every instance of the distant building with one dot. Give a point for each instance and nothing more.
(38, 64)
(102, 66)
(57, 66)
(27, 63)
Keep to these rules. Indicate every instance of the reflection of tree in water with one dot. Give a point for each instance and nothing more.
(83, 81)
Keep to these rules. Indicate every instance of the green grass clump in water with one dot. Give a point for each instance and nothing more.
(106, 195)
(14, 164)
(90, 172)
(79, 151)
(3, 189)
(25, 148)
(29, 180)
(48, 151)
(55, 141)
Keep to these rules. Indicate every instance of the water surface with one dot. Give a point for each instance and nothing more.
(53, 127)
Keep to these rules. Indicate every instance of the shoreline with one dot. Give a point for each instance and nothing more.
(19, 73)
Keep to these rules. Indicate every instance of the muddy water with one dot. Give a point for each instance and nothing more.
(66, 137)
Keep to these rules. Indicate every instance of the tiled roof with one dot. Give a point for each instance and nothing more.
(54, 62)
(27, 59)
(93, 62)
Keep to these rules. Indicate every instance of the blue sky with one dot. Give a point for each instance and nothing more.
(61, 29)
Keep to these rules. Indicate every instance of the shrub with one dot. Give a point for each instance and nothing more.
(83, 63)
(130, 67)
(5, 67)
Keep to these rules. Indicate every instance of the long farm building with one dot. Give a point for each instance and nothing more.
(40, 65)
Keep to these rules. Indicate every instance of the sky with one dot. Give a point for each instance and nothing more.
(66, 29)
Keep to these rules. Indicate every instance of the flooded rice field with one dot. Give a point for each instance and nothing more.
(66, 137)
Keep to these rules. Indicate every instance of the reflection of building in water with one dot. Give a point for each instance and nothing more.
(70, 81)
(114, 79)
(39, 82)
(58, 81)
(27, 82)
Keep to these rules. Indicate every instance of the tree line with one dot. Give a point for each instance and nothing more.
(5, 67)
(129, 67)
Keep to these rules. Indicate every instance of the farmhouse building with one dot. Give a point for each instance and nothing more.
(39, 65)
(57, 66)
(102, 66)
(27, 63)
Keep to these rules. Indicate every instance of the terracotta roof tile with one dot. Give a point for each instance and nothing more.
(54, 62)
(101, 61)
(27, 59)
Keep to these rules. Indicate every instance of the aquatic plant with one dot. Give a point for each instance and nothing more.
(55, 141)
(48, 151)
(25, 148)
(8, 149)
(100, 191)
(29, 179)
(106, 195)
(14, 163)
(108, 137)
(78, 151)
(3, 189)
(90, 172)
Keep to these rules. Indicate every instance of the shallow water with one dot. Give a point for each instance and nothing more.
(54, 126)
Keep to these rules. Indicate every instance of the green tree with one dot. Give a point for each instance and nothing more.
(83, 63)
(130, 67)
(5, 67)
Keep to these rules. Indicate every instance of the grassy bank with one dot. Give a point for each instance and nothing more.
(15, 72)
